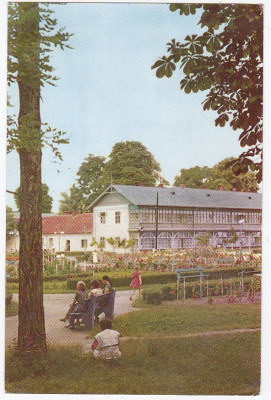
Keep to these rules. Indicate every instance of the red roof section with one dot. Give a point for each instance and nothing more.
(67, 223)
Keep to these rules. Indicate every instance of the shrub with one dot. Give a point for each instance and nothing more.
(152, 296)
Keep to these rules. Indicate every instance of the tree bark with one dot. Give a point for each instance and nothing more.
(31, 330)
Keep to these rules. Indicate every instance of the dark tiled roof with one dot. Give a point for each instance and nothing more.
(67, 223)
(186, 197)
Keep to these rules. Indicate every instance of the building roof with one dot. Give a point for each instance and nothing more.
(185, 197)
(67, 223)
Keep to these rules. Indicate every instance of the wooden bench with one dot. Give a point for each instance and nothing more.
(104, 303)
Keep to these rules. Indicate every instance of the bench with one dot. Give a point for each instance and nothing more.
(104, 303)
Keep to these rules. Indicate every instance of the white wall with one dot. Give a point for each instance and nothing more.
(110, 228)
(59, 242)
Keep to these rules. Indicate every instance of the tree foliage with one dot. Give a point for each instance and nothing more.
(46, 201)
(217, 176)
(227, 60)
(129, 163)
(25, 42)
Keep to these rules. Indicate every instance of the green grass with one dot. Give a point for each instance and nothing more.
(12, 309)
(214, 365)
(179, 319)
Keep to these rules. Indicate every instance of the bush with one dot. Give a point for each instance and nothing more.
(152, 296)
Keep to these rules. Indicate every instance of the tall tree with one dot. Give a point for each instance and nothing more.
(46, 199)
(72, 201)
(217, 176)
(226, 60)
(31, 34)
(130, 163)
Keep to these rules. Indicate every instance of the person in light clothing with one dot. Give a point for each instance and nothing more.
(95, 289)
(105, 345)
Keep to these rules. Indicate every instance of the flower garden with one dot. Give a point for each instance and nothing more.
(226, 273)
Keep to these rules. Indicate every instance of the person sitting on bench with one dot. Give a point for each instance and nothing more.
(95, 289)
(78, 303)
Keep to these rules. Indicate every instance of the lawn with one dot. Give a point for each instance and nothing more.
(183, 319)
(214, 365)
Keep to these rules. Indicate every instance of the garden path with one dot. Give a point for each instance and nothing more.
(55, 307)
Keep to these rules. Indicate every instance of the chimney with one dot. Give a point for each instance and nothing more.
(74, 213)
(142, 184)
(221, 188)
(182, 185)
(160, 185)
(234, 189)
(202, 187)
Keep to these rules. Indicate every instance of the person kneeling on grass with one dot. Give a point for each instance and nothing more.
(105, 345)
(78, 304)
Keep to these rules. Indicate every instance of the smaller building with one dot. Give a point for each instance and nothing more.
(68, 232)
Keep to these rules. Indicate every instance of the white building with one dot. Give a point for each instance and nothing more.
(163, 218)
(68, 232)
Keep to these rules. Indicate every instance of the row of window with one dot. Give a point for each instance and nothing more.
(104, 214)
(148, 215)
(84, 244)
(168, 240)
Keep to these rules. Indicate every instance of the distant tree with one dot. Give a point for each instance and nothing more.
(74, 201)
(89, 180)
(130, 163)
(112, 242)
(227, 60)
(46, 199)
(11, 225)
(194, 177)
(219, 175)
(203, 240)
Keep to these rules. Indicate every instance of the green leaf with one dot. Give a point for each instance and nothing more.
(168, 71)
(160, 72)
(157, 64)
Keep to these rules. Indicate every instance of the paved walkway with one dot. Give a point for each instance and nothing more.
(55, 307)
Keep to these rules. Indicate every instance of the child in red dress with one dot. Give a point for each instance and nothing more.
(136, 282)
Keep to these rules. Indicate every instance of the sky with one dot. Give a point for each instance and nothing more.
(108, 93)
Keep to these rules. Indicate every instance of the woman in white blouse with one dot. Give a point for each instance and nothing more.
(105, 345)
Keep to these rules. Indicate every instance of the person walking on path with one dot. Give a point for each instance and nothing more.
(136, 282)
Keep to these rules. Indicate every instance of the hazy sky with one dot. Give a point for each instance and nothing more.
(108, 93)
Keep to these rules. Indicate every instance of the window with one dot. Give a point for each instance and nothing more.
(117, 241)
(102, 217)
(84, 243)
(117, 217)
(68, 245)
(102, 239)
(51, 243)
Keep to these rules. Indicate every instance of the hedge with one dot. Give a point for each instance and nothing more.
(159, 278)
(148, 278)
(192, 289)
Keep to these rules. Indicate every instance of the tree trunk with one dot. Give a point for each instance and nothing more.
(31, 331)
